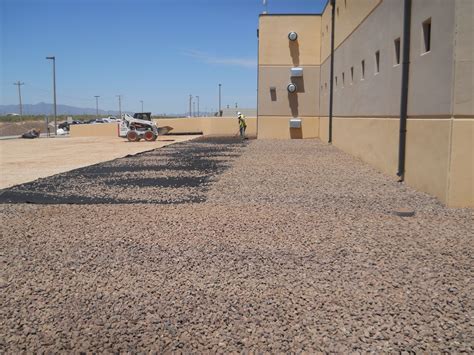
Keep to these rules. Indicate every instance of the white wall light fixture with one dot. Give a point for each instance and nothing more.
(291, 88)
(296, 72)
(292, 36)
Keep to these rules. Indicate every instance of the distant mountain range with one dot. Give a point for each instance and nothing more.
(44, 108)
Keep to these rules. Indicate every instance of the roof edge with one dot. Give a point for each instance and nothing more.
(309, 14)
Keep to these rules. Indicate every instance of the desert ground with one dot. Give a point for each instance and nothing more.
(219, 245)
(24, 160)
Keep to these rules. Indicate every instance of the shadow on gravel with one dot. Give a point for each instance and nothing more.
(178, 173)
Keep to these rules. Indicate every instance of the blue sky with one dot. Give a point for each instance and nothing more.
(158, 51)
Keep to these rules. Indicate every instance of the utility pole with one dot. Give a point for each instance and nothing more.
(194, 108)
(197, 97)
(19, 84)
(141, 101)
(97, 105)
(53, 58)
(120, 106)
(190, 101)
(220, 85)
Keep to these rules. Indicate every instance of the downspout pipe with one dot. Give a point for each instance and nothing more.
(404, 89)
(331, 79)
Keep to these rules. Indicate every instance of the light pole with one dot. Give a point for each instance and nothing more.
(190, 100)
(53, 58)
(120, 106)
(141, 101)
(19, 84)
(197, 97)
(220, 85)
(97, 105)
(194, 109)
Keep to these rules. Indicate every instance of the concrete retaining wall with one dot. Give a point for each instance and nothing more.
(208, 125)
(94, 130)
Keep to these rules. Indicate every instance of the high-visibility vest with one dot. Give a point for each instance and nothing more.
(242, 121)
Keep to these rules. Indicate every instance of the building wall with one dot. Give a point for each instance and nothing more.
(374, 94)
(440, 127)
(439, 157)
(431, 73)
(464, 59)
(461, 171)
(277, 127)
(277, 55)
(276, 49)
(350, 15)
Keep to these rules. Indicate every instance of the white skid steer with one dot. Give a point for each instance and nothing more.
(137, 127)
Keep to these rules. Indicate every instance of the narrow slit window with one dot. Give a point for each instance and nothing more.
(377, 62)
(427, 36)
(362, 72)
(352, 75)
(343, 79)
(336, 80)
(338, 11)
(396, 44)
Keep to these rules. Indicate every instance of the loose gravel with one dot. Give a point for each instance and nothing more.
(178, 173)
(293, 246)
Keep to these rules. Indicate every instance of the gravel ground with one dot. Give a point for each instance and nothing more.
(292, 246)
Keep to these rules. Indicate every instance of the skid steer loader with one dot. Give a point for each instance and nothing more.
(140, 126)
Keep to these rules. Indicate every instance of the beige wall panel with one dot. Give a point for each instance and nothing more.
(324, 129)
(351, 14)
(464, 88)
(374, 140)
(427, 155)
(279, 128)
(461, 175)
(276, 49)
(464, 35)
(431, 74)
(464, 58)
(94, 130)
(279, 102)
(378, 94)
(208, 125)
(181, 125)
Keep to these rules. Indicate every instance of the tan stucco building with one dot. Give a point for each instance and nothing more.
(367, 86)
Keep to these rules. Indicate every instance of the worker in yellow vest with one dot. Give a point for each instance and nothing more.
(242, 124)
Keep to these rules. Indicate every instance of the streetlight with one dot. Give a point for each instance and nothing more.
(53, 58)
(197, 97)
(194, 109)
(190, 100)
(97, 105)
(220, 85)
(142, 104)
